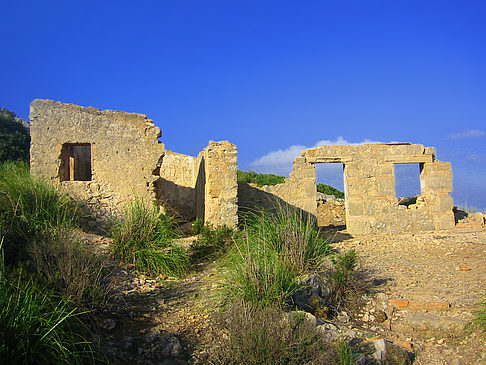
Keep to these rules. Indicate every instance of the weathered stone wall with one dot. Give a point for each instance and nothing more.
(369, 180)
(216, 184)
(125, 152)
(298, 190)
(332, 213)
(175, 189)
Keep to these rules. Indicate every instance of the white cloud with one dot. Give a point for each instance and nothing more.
(280, 161)
(468, 133)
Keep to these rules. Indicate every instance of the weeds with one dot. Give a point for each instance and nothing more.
(346, 354)
(37, 328)
(72, 269)
(480, 316)
(143, 238)
(30, 209)
(270, 255)
(211, 243)
(258, 335)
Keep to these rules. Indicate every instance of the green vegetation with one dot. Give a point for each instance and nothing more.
(271, 179)
(211, 243)
(270, 254)
(30, 210)
(346, 355)
(14, 138)
(330, 190)
(259, 179)
(344, 279)
(259, 335)
(143, 238)
(480, 316)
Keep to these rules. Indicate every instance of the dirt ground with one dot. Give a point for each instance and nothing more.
(441, 275)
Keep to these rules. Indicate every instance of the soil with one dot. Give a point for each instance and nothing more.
(437, 267)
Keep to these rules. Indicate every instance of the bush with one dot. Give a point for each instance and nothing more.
(37, 328)
(14, 138)
(211, 243)
(72, 269)
(259, 335)
(143, 238)
(259, 179)
(344, 278)
(30, 209)
(330, 190)
(270, 254)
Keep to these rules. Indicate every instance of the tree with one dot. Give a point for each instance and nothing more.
(14, 137)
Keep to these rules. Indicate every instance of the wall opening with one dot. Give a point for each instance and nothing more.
(407, 182)
(75, 162)
(331, 211)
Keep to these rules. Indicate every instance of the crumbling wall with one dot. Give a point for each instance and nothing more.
(216, 184)
(331, 213)
(369, 180)
(299, 190)
(176, 187)
(125, 153)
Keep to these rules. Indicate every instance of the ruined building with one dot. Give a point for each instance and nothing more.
(107, 158)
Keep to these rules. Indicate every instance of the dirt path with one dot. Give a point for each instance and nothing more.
(434, 281)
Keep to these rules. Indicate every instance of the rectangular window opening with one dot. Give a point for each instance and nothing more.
(331, 211)
(407, 183)
(75, 162)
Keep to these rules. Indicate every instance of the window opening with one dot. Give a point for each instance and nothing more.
(76, 162)
(407, 183)
(331, 210)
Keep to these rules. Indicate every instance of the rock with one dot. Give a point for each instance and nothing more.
(108, 324)
(170, 345)
(313, 296)
(388, 353)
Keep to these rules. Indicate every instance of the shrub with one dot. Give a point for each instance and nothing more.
(37, 328)
(30, 209)
(211, 243)
(330, 190)
(344, 279)
(72, 269)
(259, 179)
(14, 138)
(259, 335)
(143, 238)
(270, 254)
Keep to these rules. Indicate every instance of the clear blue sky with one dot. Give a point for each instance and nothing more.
(269, 76)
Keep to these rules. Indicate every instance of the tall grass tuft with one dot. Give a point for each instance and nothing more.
(37, 328)
(266, 335)
(143, 238)
(273, 251)
(30, 209)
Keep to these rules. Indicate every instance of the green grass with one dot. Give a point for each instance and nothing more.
(30, 209)
(38, 328)
(211, 243)
(144, 238)
(270, 254)
(480, 316)
(266, 335)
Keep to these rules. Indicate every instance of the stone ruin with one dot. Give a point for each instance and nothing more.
(108, 158)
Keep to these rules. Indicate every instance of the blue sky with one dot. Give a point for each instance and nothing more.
(268, 76)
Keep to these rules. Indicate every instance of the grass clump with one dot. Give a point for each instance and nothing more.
(38, 328)
(72, 268)
(480, 316)
(270, 255)
(144, 238)
(212, 241)
(30, 209)
(265, 335)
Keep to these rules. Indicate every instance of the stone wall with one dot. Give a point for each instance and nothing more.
(175, 189)
(216, 184)
(331, 213)
(371, 206)
(108, 158)
(125, 153)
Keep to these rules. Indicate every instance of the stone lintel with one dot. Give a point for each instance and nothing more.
(420, 158)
